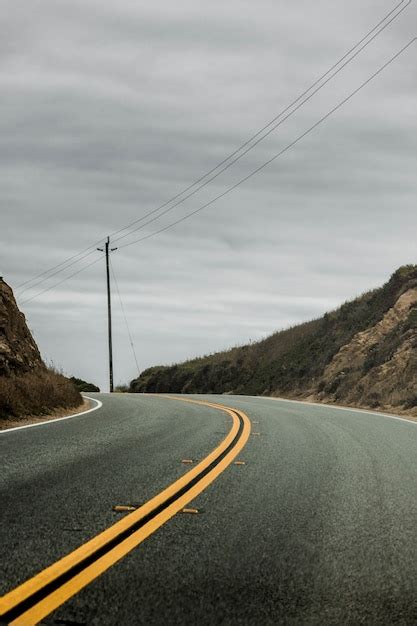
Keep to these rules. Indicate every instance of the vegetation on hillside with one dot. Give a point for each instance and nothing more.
(27, 386)
(82, 385)
(36, 393)
(293, 362)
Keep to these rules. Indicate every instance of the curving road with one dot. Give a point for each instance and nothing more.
(318, 526)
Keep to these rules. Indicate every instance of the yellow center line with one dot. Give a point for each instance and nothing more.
(62, 593)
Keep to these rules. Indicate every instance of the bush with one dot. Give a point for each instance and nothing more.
(82, 385)
(36, 393)
(411, 402)
(122, 389)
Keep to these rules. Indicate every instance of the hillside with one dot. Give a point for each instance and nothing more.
(83, 386)
(18, 351)
(363, 354)
(27, 386)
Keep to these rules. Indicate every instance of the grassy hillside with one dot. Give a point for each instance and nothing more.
(308, 360)
(83, 386)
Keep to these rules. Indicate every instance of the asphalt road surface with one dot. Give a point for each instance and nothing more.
(318, 526)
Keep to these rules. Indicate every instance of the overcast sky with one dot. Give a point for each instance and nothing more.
(108, 109)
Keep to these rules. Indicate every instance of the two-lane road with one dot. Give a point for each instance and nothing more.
(319, 525)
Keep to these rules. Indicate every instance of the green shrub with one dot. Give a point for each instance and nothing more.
(82, 385)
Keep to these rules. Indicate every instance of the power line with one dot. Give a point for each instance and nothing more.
(60, 282)
(132, 345)
(260, 137)
(266, 163)
(258, 169)
(47, 273)
(62, 269)
(34, 278)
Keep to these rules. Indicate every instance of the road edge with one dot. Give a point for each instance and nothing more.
(99, 404)
(342, 408)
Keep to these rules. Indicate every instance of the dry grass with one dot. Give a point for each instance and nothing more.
(36, 393)
(14, 422)
(296, 362)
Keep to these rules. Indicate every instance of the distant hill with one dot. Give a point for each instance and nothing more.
(82, 385)
(27, 386)
(362, 354)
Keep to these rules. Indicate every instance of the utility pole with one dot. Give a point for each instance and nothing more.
(107, 250)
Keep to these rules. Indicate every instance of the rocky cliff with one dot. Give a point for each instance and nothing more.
(18, 351)
(27, 387)
(362, 354)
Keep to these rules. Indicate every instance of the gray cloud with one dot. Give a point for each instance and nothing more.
(108, 109)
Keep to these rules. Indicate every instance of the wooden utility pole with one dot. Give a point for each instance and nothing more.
(107, 250)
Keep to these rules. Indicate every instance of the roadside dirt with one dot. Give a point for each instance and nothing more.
(37, 419)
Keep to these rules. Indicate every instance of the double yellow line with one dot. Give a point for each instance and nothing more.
(36, 598)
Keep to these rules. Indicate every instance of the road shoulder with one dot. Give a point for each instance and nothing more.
(34, 420)
(400, 415)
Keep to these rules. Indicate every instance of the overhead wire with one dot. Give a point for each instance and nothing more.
(132, 345)
(60, 270)
(47, 274)
(34, 278)
(251, 145)
(276, 156)
(64, 280)
(251, 174)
